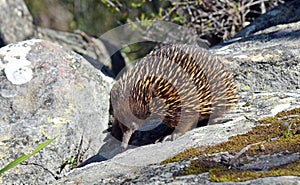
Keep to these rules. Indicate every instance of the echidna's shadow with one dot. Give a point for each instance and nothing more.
(112, 145)
(140, 138)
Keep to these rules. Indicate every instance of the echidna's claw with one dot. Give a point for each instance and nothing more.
(170, 137)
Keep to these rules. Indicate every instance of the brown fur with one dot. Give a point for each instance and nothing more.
(181, 85)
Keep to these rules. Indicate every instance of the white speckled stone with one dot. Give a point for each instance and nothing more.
(18, 74)
(16, 67)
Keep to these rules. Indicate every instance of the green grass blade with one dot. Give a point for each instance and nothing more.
(14, 163)
(42, 145)
(24, 157)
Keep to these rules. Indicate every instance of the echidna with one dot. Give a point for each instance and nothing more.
(182, 85)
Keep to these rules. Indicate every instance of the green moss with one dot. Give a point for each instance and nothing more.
(188, 153)
(221, 175)
(269, 129)
(233, 145)
(290, 144)
(295, 111)
(226, 175)
(202, 166)
(268, 133)
(278, 117)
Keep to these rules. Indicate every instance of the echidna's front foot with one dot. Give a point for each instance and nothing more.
(170, 137)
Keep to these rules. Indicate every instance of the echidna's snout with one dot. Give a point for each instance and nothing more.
(131, 128)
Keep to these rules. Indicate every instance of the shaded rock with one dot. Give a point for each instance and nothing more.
(285, 13)
(15, 22)
(51, 14)
(100, 53)
(48, 91)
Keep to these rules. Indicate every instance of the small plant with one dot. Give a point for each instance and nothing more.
(287, 131)
(25, 157)
(289, 128)
(77, 158)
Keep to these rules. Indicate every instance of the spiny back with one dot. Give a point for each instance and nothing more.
(179, 84)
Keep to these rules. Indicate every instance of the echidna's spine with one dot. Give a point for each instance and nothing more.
(179, 84)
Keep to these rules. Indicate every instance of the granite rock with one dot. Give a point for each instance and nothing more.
(48, 91)
(15, 22)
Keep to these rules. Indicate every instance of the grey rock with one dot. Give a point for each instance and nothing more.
(44, 101)
(16, 25)
(263, 163)
(15, 22)
(59, 94)
(267, 70)
(98, 51)
(285, 13)
(268, 181)
(267, 61)
(139, 165)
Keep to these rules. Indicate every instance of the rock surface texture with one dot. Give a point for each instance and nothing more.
(47, 91)
(100, 53)
(267, 70)
(15, 22)
(16, 25)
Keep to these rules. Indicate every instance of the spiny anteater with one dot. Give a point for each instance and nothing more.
(182, 85)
